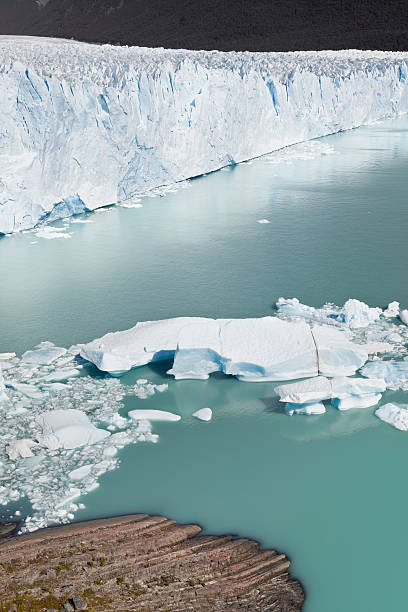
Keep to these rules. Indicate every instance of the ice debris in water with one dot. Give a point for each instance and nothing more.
(58, 438)
(354, 313)
(397, 416)
(359, 321)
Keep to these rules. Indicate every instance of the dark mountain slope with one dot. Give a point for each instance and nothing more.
(255, 25)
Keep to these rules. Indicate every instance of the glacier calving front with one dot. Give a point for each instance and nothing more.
(84, 126)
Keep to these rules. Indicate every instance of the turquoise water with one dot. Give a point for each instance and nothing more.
(330, 490)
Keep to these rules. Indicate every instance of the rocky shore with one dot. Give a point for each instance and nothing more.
(141, 562)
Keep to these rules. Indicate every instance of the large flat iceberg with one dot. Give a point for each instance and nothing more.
(254, 350)
(158, 116)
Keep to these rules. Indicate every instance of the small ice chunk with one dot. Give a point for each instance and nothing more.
(358, 314)
(392, 310)
(68, 429)
(397, 416)
(263, 221)
(20, 448)
(356, 401)
(307, 408)
(161, 388)
(403, 315)
(153, 415)
(204, 414)
(43, 356)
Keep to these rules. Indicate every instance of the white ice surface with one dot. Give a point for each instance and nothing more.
(153, 415)
(254, 350)
(397, 416)
(204, 414)
(337, 355)
(68, 429)
(159, 116)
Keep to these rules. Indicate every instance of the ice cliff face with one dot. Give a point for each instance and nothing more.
(85, 126)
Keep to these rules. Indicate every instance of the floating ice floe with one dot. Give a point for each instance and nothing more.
(204, 414)
(305, 397)
(44, 354)
(68, 429)
(263, 221)
(254, 350)
(53, 435)
(153, 415)
(397, 416)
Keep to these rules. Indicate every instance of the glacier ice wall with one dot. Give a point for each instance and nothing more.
(84, 126)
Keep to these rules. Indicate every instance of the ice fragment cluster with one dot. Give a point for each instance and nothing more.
(57, 438)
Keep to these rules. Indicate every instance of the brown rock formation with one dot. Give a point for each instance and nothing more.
(142, 562)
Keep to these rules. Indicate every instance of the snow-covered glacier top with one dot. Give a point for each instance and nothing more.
(84, 126)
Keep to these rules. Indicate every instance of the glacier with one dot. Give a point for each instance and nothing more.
(85, 126)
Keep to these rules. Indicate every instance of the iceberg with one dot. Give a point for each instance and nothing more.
(68, 429)
(306, 396)
(67, 105)
(397, 416)
(253, 350)
(322, 388)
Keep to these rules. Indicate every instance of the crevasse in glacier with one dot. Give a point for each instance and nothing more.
(84, 126)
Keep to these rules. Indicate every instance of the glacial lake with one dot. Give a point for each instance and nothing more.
(328, 490)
